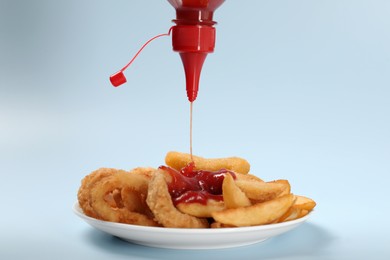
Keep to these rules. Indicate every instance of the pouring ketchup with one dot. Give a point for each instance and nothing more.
(189, 185)
(193, 37)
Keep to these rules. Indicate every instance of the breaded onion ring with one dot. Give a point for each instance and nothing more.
(144, 171)
(160, 202)
(87, 183)
(135, 201)
(123, 181)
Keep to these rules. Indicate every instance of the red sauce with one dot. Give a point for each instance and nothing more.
(190, 185)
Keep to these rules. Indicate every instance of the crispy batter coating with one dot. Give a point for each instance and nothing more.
(87, 183)
(117, 196)
(160, 202)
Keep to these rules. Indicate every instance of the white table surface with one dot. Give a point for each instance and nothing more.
(301, 89)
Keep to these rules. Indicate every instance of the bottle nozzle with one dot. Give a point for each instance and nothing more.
(192, 62)
(193, 42)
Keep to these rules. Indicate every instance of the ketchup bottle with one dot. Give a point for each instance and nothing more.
(193, 37)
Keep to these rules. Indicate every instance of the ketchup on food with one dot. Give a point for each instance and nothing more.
(189, 185)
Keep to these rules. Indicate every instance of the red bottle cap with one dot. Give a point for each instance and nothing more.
(118, 79)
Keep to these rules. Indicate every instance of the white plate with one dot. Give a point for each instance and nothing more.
(185, 238)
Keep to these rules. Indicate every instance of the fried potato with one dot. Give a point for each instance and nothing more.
(303, 213)
(247, 177)
(301, 207)
(304, 203)
(261, 191)
(291, 214)
(178, 160)
(287, 189)
(232, 194)
(200, 210)
(257, 214)
(294, 214)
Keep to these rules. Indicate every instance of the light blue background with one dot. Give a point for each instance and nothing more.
(298, 88)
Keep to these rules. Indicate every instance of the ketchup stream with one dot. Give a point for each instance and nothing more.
(191, 112)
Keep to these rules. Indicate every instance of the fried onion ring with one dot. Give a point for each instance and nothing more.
(144, 171)
(134, 200)
(123, 181)
(160, 202)
(87, 183)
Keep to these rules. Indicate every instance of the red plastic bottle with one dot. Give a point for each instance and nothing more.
(193, 37)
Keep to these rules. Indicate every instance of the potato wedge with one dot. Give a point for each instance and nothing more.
(301, 207)
(261, 191)
(232, 194)
(248, 177)
(200, 210)
(258, 214)
(303, 213)
(178, 160)
(292, 213)
(304, 203)
(287, 185)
